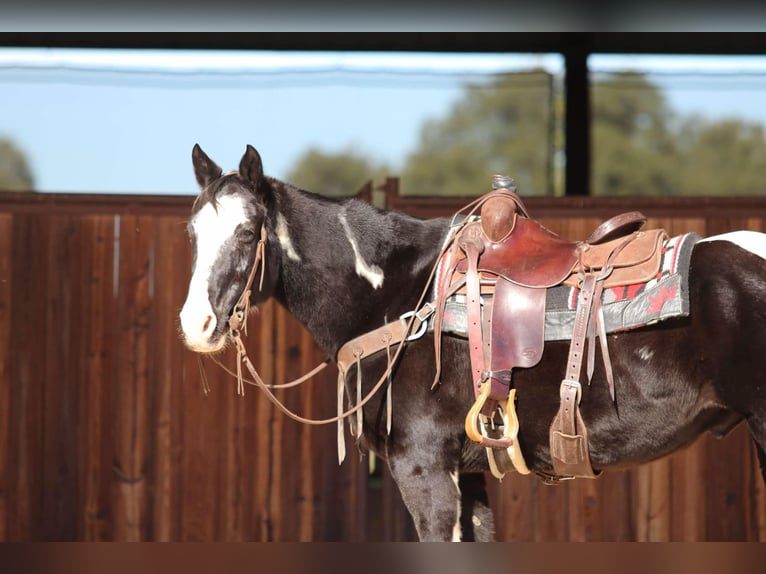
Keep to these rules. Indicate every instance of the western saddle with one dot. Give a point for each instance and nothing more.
(501, 263)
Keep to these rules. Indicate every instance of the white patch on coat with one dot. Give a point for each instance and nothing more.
(283, 235)
(212, 227)
(372, 273)
(645, 354)
(457, 532)
(752, 241)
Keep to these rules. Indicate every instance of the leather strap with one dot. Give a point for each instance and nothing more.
(568, 435)
(616, 226)
(385, 336)
(470, 241)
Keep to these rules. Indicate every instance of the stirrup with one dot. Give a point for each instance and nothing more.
(474, 421)
(477, 428)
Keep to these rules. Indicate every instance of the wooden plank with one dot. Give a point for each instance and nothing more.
(515, 501)
(307, 491)
(231, 480)
(279, 432)
(62, 377)
(653, 502)
(95, 428)
(757, 493)
(583, 511)
(263, 420)
(688, 468)
(27, 371)
(614, 507)
(6, 300)
(551, 523)
(130, 491)
(172, 269)
(727, 486)
(296, 346)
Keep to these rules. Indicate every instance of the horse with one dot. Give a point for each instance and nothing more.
(343, 268)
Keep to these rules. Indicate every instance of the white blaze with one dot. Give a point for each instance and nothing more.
(212, 227)
(284, 238)
(372, 273)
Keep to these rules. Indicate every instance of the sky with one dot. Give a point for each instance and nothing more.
(125, 121)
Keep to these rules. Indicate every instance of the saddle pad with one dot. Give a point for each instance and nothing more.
(663, 296)
(631, 306)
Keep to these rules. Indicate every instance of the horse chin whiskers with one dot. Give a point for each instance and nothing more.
(207, 349)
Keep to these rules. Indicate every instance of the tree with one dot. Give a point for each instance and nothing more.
(334, 174)
(509, 125)
(634, 150)
(726, 157)
(15, 174)
(502, 127)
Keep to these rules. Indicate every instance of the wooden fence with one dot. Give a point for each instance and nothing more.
(105, 433)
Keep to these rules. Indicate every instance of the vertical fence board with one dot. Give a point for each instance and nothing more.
(514, 497)
(551, 503)
(688, 468)
(6, 301)
(98, 378)
(172, 271)
(263, 420)
(28, 317)
(131, 458)
(62, 339)
(727, 486)
(613, 501)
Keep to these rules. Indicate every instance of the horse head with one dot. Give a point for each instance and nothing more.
(227, 230)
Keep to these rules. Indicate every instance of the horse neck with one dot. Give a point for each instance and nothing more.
(346, 267)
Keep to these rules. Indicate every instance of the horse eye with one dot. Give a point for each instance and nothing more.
(246, 235)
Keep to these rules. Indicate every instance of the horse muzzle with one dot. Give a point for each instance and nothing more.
(199, 327)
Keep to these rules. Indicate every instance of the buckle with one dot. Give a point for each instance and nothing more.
(421, 315)
(574, 385)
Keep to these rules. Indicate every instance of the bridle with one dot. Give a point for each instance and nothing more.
(238, 317)
(408, 322)
(238, 325)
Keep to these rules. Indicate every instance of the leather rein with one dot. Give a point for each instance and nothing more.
(238, 326)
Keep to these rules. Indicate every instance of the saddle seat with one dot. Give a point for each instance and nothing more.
(523, 251)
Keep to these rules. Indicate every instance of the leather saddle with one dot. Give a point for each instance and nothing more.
(502, 263)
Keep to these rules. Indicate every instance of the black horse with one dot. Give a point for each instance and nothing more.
(343, 268)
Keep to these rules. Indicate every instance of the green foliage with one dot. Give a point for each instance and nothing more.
(335, 174)
(15, 174)
(634, 150)
(722, 158)
(513, 125)
(504, 126)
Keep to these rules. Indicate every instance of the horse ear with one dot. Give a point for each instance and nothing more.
(205, 169)
(251, 167)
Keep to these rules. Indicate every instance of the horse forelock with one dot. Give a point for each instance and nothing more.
(230, 183)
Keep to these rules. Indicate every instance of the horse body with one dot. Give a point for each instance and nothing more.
(344, 268)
